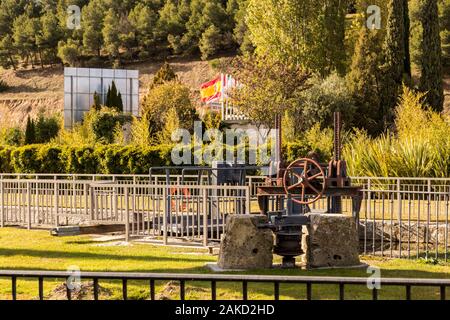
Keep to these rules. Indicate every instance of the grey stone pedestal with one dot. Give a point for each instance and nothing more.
(330, 240)
(244, 245)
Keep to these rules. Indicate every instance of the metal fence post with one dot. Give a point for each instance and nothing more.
(55, 200)
(205, 217)
(114, 203)
(86, 199)
(165, 212)
(400, 208)
(2, 203)
(93, 204)
(29, 205)
(127, 216)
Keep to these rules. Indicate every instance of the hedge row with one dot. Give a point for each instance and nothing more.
(108, 159)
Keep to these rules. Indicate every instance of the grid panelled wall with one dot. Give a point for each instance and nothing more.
(80, 84)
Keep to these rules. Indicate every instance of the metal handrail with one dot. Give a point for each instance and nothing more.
(408, 283)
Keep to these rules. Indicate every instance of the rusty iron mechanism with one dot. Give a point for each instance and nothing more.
(302, 187)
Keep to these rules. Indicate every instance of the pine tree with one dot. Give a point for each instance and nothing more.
(111, 33)
(30, 132)
(210, 42)
(164, 74)
(431, 55)
(143, 20)
(92, 20)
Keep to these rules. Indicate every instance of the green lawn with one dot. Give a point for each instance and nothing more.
(37, 250)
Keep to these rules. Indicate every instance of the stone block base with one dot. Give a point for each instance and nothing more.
(330, 240)
(244, 245)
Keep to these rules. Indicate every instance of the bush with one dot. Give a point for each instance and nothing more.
(323, 99)
(167, 96)
(110, 159)
(3, 86)
(46, 128)
(102, 124)
(12, 136)
(420, 146)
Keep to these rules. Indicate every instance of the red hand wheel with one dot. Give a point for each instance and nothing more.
(304, 179)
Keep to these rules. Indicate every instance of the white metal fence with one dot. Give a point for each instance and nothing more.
(400, 217)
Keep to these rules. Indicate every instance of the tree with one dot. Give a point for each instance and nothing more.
(30, 132)
(50, 34)
(164, 74)
(394, 59)
(204, 13)
(445, 32)
(111, 32)
(143, 21)
(164, 97)
(97, 102)
(268, 88)
(172, 23)
(431, 55)
(7, 53)
(306, 33)
(210, 42)
(240, 31)
(364, 79)
(69, 52)
(45, 128)
(114, 98)
(92, 20)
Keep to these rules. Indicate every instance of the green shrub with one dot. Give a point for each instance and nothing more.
(46, 128)
(109, 159)
(101, 124)
(81, 160)
(12, 136)
(164, 97)
(5, 159)
(25, 159)
(420, 146)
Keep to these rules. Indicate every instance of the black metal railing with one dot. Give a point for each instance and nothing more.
(310, 282)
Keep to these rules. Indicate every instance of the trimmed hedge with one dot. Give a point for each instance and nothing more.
(110, 159)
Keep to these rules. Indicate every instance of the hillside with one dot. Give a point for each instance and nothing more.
(34, 90)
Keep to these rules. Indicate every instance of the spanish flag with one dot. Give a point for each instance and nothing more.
(212, 90)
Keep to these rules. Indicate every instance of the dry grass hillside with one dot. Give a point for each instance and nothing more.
(34, 90)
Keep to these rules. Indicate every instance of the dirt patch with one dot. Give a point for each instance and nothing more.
(84, 292)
